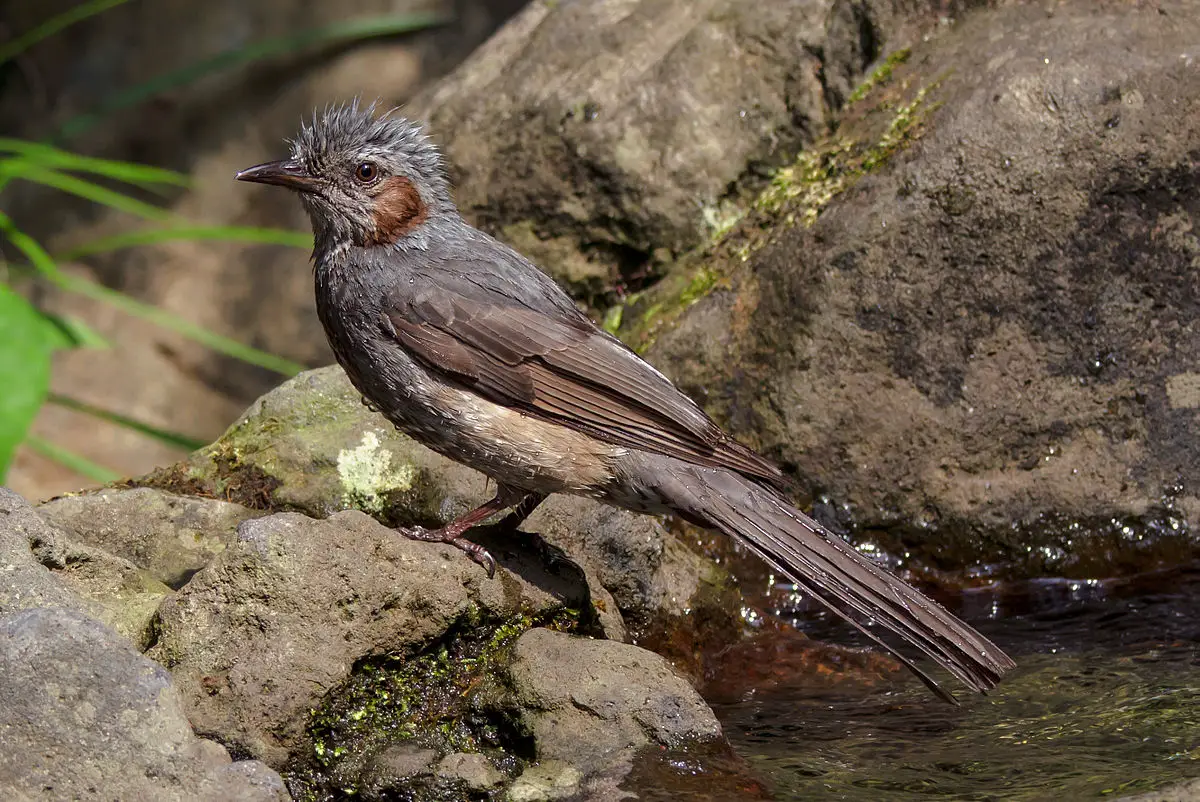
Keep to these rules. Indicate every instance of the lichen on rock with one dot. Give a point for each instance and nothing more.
(368, 475)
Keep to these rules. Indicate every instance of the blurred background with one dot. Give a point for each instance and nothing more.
(140, 372)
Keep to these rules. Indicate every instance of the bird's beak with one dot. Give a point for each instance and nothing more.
(286, 173)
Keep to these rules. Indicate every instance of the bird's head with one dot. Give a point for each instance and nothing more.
(365, 180)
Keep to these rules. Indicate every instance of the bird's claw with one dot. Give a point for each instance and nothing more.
(476, 552)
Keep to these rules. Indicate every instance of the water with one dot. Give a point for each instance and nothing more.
(1105, 703)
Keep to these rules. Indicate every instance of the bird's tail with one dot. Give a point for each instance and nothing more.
(830, 570)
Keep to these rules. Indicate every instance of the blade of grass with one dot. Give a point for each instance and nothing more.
(16, 47)
(43, 262)
(50, 156)
(69, 459)
(264, 236)
(16, 168)
(154, 432)
(46, 265)
(196, 333)
(67, 332)
(343, 31)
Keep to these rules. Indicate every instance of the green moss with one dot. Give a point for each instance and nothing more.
(806, 186)
(880, 76)
(612, 318)
(797, 193)
(722, 218)
(439, 698)
(902, 129)
(701, 284)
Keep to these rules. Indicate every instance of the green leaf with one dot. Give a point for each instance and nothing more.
(337, 33)
(45, 264)
(16, 47)
(24, 370)
(67, 331)
(42, 262)
(21, 168)
(41, 154)
(68, 458)
(265, 236)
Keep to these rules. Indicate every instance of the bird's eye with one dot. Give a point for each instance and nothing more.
(366, 172)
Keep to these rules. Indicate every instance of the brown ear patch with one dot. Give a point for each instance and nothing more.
(398, 210)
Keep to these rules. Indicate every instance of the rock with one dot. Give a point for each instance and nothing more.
(45, 569)
(311, 445)
(284, 615)
(170, 536)
(600, 138)
(26, 583)
(589, 705)
(86, 716)
(400, 770)
(980, 350)
(549, 779)
(473, 770)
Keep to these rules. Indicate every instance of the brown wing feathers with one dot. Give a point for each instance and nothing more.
(570, 374)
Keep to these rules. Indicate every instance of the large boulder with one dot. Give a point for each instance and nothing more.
(604, 138)
(966, 319)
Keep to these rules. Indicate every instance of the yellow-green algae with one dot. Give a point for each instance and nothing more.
(797, 193)
(880, 75)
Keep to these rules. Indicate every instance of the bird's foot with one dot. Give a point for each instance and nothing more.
(453, 535)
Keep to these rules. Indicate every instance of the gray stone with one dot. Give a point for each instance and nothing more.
(169, 535)
(971, 309)
(548, 780)
(41, 567)
(84, 716)
(591, 704)
(399, 765)
(634, 121)
(281, 617)
(24, 582)
(472, 769)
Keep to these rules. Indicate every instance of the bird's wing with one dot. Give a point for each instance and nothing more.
(558, 368)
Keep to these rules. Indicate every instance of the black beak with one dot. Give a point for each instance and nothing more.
(281, 173)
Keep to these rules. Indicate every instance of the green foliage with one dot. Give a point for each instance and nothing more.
(28, 336)
(27, 340)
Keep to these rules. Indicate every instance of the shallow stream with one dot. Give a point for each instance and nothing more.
(1105, 703)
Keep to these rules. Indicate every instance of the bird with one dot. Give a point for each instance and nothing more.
(470, 349)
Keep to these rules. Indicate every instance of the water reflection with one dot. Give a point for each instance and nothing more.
(1106, 702)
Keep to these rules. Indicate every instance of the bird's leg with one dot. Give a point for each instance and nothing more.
(524, 508)
(550, 553)
(453, 532)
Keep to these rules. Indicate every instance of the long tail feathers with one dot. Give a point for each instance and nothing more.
(829, 569)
